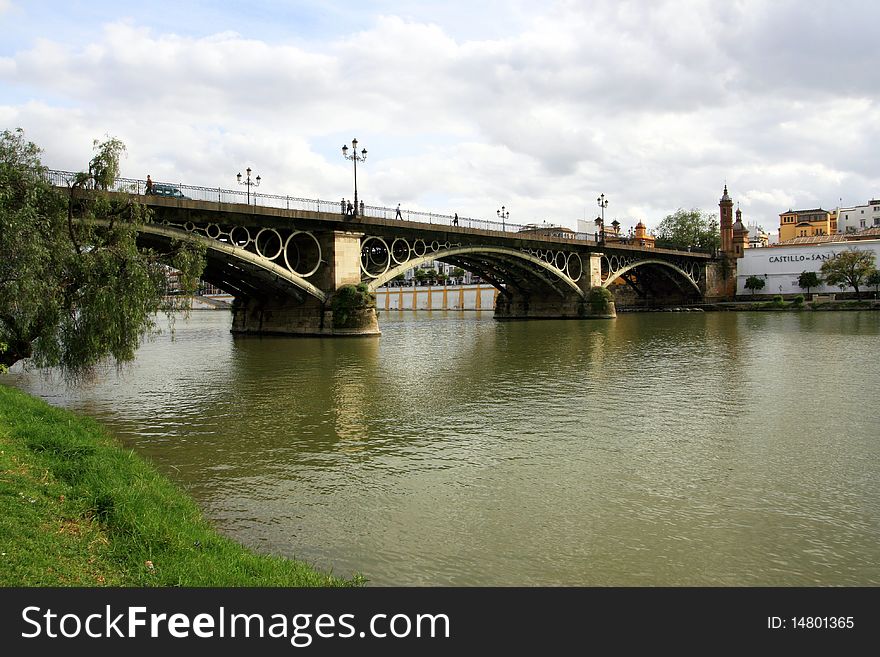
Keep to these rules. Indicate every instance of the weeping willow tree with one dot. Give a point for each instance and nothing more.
(76, 290)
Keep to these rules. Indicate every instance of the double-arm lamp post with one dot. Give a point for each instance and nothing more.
(250, 183)
(600, 220)
(355, 158)
(503, 215)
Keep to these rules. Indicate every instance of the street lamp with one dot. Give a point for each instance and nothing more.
(355, 158)
(503, 215)
(600, 221)
(250, 183)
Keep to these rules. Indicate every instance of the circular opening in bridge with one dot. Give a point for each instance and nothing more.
(605, 269)
(269, 241)
(419, 248)
(375, 257)
(302, 253)
(189, 226)
(213, 231)
(549, 257)
(539, 253)
(559, 261)
(445, 245)
(574, 267)
(239, 236)
(435, 246)
(400, 250)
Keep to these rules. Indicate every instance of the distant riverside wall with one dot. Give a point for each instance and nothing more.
(437, 297)
(213, 302)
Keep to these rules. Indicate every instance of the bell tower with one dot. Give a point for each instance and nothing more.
(726, 208)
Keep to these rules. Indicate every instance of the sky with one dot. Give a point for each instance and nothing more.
(465, 106)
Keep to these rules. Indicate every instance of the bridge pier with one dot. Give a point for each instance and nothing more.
(284, 315)
(520, 304)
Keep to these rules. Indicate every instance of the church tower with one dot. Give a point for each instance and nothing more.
(740, 240)
(726, 208)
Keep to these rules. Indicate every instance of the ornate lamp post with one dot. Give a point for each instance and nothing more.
(600, 220)
(355, 158)
(503, 215)
(250, 183)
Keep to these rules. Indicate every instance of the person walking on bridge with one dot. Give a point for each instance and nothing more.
(398, 215)
(149, 189)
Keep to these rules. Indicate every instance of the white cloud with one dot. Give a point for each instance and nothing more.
(656, 105)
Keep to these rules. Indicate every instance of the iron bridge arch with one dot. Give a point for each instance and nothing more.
(245, 260)
(613, 267)
(383, 259)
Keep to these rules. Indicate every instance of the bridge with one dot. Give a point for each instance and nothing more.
(285, 258)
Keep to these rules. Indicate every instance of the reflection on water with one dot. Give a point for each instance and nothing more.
(656, 449)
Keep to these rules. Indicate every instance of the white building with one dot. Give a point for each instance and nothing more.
(859, 217)
(780, 266)
(758, 237)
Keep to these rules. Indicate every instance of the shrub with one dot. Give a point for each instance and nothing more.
(348, 300)
(599, 298)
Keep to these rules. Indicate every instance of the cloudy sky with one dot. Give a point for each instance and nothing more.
(465, 106)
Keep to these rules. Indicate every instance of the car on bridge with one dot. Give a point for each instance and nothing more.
(169, 191)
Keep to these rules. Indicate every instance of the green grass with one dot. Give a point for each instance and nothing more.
(79, 510)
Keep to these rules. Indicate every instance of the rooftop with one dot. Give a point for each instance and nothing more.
(814, 211)
(866, 234)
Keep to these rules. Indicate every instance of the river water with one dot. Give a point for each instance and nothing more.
(669, 449)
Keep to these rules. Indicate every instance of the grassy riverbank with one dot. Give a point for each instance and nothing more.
(79, 510)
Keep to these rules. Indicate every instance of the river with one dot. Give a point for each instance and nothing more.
(669, 449)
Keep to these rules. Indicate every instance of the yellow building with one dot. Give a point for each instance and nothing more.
(638, 236)
(806, 223)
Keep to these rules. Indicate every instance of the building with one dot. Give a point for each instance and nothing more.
(758, 237)
(806, 223)
(859, 217)
(780, 265)
(638, 236)
(548, 230)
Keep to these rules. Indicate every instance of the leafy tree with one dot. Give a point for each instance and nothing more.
(685, 229)
(850, 268)
(75, 288)
(754, 283)
(874, 279)
(809, 279)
